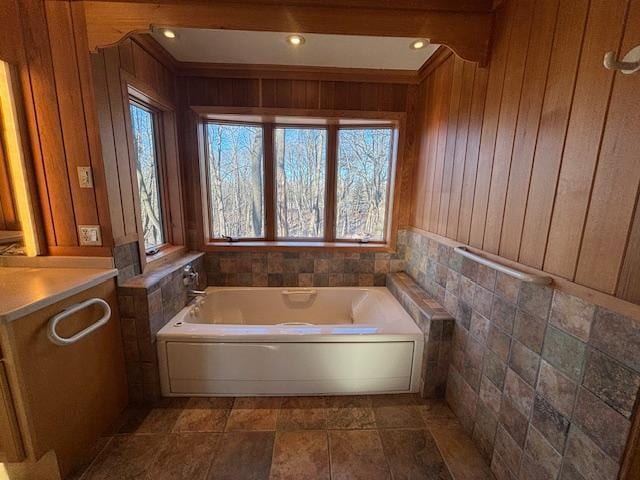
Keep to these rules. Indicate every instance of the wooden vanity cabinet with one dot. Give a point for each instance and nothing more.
(61, 398)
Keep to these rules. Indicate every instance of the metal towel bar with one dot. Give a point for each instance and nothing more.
(53, 322)
(525, 277)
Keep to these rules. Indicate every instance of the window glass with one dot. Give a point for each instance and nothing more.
(142, 124)
(301, 164)
(236, 180)
(364, 156)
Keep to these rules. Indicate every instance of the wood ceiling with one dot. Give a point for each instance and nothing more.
(464, 26)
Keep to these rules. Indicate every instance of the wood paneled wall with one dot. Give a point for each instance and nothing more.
(110, 66)
(286, 93)
(46, 42)
(535, 158)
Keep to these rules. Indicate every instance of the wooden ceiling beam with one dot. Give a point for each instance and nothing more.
(466, 33)
(441, 5)
(295, 72)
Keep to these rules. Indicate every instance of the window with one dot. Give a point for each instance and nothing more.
(145, 144)
(364, 160)
(300, 179)
(236, 180)
(301, 165)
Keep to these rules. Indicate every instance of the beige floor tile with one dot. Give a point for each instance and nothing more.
(301, 455)
(163, 416)
(204, 415)
(127, 457)
(397, 411)
(413, 455)
(458, 451)
(254, 413)
(187, 456)
(302, 413)
(349, 412)
(243, 455)
(357, 454)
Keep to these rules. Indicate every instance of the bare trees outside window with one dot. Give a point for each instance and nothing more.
(364, 156)
(281, 182)
(301, 165)
(142, 125)
(236, 180)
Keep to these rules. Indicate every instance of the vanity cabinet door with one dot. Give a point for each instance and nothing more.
(66, 396)
(11, 448)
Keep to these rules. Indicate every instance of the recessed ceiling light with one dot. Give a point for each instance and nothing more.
(418, 44)
(295, 40)
(169, 33)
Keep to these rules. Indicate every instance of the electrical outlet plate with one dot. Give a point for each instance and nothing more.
(90, 235)
(85, 177)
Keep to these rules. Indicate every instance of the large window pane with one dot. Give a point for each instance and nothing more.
(364, 155)
(301, 164)
(142, 124)
(236, 180)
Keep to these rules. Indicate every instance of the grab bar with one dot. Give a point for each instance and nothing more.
(53, 322)
(306, 291)
(525, 277)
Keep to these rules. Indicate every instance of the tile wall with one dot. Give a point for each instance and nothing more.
(436, 325)
(544, 382)
(300, 269)
(146, 303)
(126, 258)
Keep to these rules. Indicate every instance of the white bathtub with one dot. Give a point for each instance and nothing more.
(291, 341)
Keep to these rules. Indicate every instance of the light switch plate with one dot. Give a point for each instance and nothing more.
(90, 235)
(85, 177)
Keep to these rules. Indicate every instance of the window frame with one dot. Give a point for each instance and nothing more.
(392, 162)
(169, 168)
(161, 172)
(208, 176)
(332, 121)
(307, 126)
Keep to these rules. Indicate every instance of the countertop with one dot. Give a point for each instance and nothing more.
(25, 290)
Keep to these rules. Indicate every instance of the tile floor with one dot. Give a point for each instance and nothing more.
(355, 437)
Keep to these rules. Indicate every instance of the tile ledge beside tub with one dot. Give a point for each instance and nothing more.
(147, 302)
(437, 326)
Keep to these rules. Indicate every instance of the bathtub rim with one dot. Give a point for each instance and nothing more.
(211, 333)
(402, 326)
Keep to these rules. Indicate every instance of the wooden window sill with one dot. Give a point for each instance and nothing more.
(166, 253)
(296, 246)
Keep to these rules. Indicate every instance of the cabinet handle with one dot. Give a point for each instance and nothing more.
(53, 322)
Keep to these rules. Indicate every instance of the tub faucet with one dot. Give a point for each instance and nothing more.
(190, 276)
(196, 293)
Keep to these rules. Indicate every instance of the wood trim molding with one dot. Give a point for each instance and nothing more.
(157, 51)
(295, 72)
(292, 246)
(437, 5)
(80, 251)
(466, 33)
(433, 62)
(298, 112)
(270, 174)
(146, 92)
